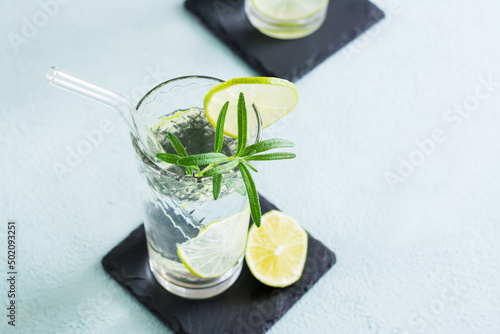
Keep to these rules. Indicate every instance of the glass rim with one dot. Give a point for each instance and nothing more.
(172, 80)
(146, 159)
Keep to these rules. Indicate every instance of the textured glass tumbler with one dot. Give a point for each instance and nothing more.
(286, 19)
(178, 207)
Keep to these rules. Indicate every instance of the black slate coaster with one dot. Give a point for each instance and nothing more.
(246, 307)
(288, 59)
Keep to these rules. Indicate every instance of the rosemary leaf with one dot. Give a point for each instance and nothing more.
(217, 185)
(250, 166)
(202, 159)
(168, 158)
(242, 125)
(272, 156)
(253, 197)
(267, 145)
(219, 129)
(176, 143)
(221, 168)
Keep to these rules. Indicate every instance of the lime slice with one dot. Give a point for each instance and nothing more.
(217, 247)
(273, 97)
(276, 251)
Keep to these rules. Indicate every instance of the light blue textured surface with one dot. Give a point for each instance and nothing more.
(419, 257)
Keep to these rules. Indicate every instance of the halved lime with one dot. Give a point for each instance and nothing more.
(276, 251)
(273, 97)
(217, 247)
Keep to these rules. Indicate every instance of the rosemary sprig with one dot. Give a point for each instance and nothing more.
(218, 163)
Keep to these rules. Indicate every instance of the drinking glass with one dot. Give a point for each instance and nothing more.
(286, 19)
(177, 206)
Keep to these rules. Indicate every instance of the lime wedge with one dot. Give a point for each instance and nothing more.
(217, 247)
(273, 97)
(276, 251)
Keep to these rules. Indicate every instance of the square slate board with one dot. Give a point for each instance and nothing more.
(246, 307)
(288, 59)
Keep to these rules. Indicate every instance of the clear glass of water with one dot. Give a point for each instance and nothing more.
(286, 19)
(178, 206)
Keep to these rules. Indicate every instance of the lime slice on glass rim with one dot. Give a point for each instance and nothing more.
(276, 251)
(273, 97)
(218, 246)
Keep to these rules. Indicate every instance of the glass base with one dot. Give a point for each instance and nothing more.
(284, 30)
(199, 291)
